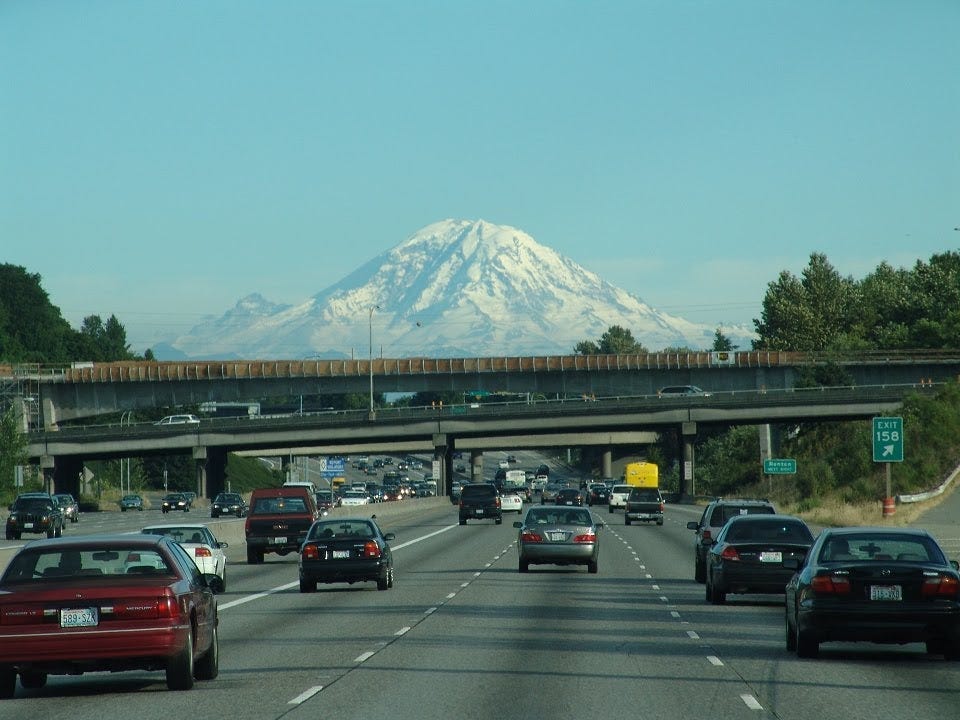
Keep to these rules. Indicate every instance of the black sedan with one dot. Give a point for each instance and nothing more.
(228, 504)
(346, 549)
(599, 494)
(174, 501)
(881, 585)
(569, 496)
(749, 554)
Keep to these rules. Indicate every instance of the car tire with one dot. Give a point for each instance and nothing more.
(699, 570)
(498, 521)
(33, 680)
(75, 519)
(660, 521)
(807, 644)
(52, 532)
(208, 666)
(593, 567)
(626, 520)
(791, 638)
(180, 667)
(523, 566)
(610, 508)
(123, 509)
(140, 508)
(390, 579)
(463, 521)
(8, 683)
(717, 595)
(254, 557)
(383, 581)
(308, 586)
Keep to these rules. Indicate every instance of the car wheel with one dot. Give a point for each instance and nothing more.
(254, 557)
(717, 595)
(208, 666)
(626, 520)
(308, 586)
(463, 521)
(59, 531)
(123, 509)
(660, 521)
(33, 680)
(180, 667)
(75, 519)
(498, 521)
(699, 570)
(140, 508)
(8, 683)
(383, 582)
(610, 508)
(807, 644)
(593, 567)
(791, 638)
(524, 566)
(51, 533)
(390, 579)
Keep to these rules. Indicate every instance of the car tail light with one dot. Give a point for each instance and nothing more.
(202, 552)
(661, 507)
(585, 538)
(835, 584)
(498, 501)
(20, 615)
(528, 536)
(167, 607)
(730, 553)
(310, 552)
(940, 586)
(371, 549)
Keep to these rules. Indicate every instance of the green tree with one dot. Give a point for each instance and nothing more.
(721, 343)
(31, 328)
(615, 341)
(13, 450)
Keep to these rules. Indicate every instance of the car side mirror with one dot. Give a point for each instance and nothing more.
(223, 545)
(389, 536)
(955, 565)
(215, 583)
(693, 525)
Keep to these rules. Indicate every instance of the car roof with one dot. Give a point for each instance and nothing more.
(867, 529)
(192, 526)
(764, 517)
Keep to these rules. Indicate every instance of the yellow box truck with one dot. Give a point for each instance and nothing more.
(642, 474)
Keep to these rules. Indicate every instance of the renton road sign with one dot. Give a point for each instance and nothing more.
(888, 439)
(780, 466)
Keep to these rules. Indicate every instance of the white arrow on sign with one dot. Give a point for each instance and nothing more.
(887, 450)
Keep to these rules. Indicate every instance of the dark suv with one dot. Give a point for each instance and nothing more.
(480, 501)
(714, 517)
(35, 513)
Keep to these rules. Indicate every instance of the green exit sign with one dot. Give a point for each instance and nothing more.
(780, 466)
(888, 439)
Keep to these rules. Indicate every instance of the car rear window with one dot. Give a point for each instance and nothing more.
(479, 490)
(724, 512)
(645, 495)
(769, 531)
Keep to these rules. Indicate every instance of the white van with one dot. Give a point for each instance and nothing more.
(301, 483)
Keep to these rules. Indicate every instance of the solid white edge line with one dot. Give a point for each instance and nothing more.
(305, 695)
(714, 660)
(363, 658)
(402, 631)
(751, 702)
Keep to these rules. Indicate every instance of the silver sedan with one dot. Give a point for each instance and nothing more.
(558, 536)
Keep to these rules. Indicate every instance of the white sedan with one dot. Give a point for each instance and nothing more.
(511, 502)
(200, 544)
(354, 497)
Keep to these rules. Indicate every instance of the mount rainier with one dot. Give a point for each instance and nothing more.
(456, 288)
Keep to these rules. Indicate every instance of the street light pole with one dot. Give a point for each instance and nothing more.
(370, 364)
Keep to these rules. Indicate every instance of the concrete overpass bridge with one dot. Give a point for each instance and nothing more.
(632, 420)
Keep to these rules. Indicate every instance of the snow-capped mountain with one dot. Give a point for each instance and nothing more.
(456, 288)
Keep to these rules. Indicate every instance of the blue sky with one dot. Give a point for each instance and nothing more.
(161, 160)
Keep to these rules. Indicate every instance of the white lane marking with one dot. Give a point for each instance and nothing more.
(257, 596)
(363, 658)
(476, 574)
(675, 614)
(402, 631)
(288, 586)
(305, 695)
(450, 596)
(664, 598)
(649, 576)
(692, 635)
(654, 587)
(464, 584)
(430, 611)
(751, 702)
(714, 660)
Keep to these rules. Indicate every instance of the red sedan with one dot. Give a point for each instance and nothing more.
(106, 603)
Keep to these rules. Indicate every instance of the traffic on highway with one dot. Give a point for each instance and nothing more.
(466, 631)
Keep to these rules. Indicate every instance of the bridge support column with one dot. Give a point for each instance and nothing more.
(200, 463)
(476, 465)
(606, 464)
(440, 445)
(688, 484)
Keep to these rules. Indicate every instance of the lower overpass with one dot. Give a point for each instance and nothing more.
(610, 422)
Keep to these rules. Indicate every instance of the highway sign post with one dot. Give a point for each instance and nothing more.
(780, 466)
(888, 448)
